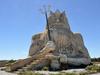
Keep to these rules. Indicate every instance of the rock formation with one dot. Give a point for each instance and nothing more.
(67, 48)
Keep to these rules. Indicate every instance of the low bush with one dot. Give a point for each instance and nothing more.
(83, 73)
(45, 68)
(93, 68)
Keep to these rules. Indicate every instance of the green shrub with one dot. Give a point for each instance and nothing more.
(45, 68)
(93, 68)
(70, 74)
(83, 73)
(11, 61)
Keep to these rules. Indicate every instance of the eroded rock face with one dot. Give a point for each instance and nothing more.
(65, 48)
(34, 62)
(67, 43)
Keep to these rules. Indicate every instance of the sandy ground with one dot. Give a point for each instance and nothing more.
(65, 71)
(96, 74)
(50, 72)
(6, 73)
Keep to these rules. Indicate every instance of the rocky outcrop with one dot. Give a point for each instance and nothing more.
(70, 48)
(34, 62)
(65, 48)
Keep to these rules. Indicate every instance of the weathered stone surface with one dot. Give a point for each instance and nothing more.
(34, 62)
(55, 65)
(68, 44)
(63, 59)
(39, 65)
(18, 64)
(66, 47)
(41, 59)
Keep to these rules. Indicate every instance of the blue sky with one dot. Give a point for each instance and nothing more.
(20, 19)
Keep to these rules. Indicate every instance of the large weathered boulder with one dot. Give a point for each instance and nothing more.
(70, 47)
(65, 47)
